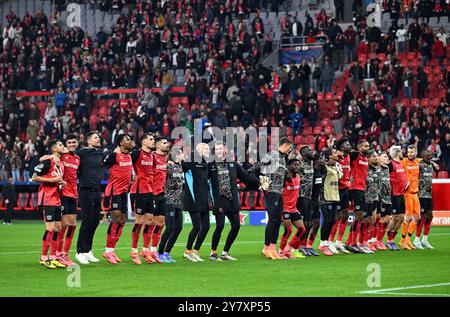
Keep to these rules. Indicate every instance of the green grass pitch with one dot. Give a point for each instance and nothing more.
(402, 273)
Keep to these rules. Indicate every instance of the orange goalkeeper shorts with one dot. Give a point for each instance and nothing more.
(412, 204)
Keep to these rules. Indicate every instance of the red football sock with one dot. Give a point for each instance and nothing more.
(61, 235)
(147, 235)
(135, 235)
(46, 242)
(119, 229)
(375, 229)
(156, 235)
(285, 237)
(394, 234)
(312, 238)
(381, 231)
(298, 238)
(420, 225)
(342, 227)
(110, 235)
(53, 245)
(69, 237)
(428, 223)
(334, 230)
(366, 233)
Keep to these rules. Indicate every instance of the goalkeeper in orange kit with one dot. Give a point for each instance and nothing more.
(412, 204)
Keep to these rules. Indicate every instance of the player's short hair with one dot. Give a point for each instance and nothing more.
(412, 147)
(91, 133)
(121, 137)
(71, 137)
(341, 142)
(145, 136)
(371, 152)
(360, 142)
(292, 161)
(303, 149)
(160, 138)
(285, 140)
(52, 143)
(393, 151)
(424, 152)
(220, 143)
(326, 152)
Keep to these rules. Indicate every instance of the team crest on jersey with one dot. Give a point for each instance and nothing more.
(62, 208)
(139, 210)
(115, 205)
(49, 217)
(231, 165)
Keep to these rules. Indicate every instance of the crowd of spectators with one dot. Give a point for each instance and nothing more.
(217, 49)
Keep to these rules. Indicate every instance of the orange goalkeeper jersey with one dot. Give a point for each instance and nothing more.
(412, 173)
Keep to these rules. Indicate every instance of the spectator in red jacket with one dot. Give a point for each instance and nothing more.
(438, 51)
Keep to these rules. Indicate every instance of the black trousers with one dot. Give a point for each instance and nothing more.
(8, 213)
(274, 205)
(328, 213)
(220, 223)
(200, 228)
(174, 225)
(90, 202)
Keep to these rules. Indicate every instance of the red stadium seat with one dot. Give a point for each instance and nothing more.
(289, 131)
(317, 129)
(320, 96)
(405, 102)
(415, 101)
(298, 139)
(329, 96)
(328, 130)
(425, 102)
(435, 102)
(326, 122)
(443, 174)
(309, 139)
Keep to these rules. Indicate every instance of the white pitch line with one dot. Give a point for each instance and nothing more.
(124, 248)
(403, 288)
(413, 294)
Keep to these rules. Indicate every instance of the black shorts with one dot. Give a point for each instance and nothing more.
(359, 201)
(292, 216)
(305, 206)
(51, 213)
(69, 205)
(398, 205)
(386, 210)
(426, 204)
(372, 207)
(142, 203)
(344, 198)
(116, 202)
(159, 205)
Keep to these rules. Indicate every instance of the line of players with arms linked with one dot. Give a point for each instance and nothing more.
(387, 192)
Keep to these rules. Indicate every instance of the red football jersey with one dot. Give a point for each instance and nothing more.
(159, 173)
(143, 167)
(290, 194)
(344, 182)
(49, 193)
(71, 163)
(398, 179)
(119, 173)
(358, 172)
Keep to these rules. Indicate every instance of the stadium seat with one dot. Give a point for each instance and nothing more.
(425, 102)
(405, 102)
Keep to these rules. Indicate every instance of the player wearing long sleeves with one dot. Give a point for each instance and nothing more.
(426, 169)
(174, 198)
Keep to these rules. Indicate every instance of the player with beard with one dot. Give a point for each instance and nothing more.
(344, 148)
(426, 167)
(174, 195)
(359, 168)
(304, 202)
(116, 193)
(385, 200)
(399, 183)
(329, 198)
(159, 211)
(373, 188)
(141, 195)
